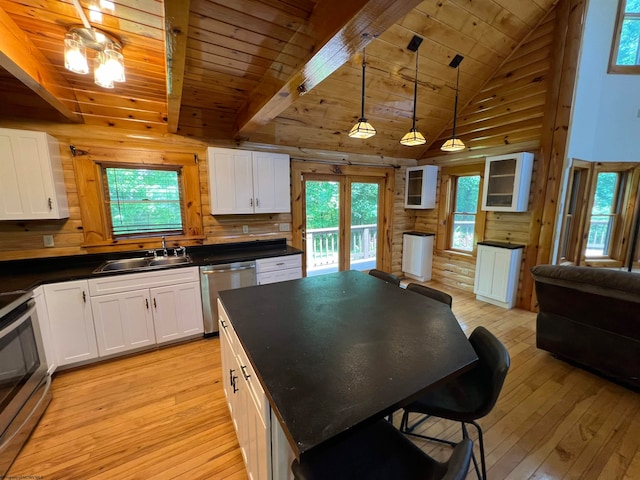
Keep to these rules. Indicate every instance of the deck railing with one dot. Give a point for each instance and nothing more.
(322, 245)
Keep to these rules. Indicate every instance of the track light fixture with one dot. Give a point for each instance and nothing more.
(414, 137)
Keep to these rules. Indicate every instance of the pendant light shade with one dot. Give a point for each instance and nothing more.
(362, 129)
(414, 137)
(454, 144)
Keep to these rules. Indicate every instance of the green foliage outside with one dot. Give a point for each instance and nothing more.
(323, 199)
(467, 192)
(603, 202)
(144, 201)
(630, 36)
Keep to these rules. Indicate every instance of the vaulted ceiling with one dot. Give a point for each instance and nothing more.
(280, 72)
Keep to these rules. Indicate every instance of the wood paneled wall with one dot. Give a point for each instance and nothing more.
(24, 239)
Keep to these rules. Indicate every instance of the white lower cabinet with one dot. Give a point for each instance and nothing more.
(265, 451)
(71, 319)
(497, 274)
(110, 315)
(45, 329)
(278, 269)
(123, 321)
(177, 311)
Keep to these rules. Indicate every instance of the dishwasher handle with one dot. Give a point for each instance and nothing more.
(222, 270)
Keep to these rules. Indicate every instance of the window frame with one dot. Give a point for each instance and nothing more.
(615, 45)
(108, 215)
(446, 202)
(96, 227)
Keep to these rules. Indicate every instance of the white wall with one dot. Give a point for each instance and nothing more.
(605, 125)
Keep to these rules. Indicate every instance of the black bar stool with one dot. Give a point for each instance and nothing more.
(379, 452)
(387, 277)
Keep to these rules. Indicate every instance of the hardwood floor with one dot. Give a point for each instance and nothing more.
(162, 415)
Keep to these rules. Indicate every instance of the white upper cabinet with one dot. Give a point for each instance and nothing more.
(507, 181)
(31, 179)
(420, 187)
(241, 181)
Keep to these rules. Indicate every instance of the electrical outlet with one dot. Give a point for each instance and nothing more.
(48, 240)
(284, 227)
(245, 228)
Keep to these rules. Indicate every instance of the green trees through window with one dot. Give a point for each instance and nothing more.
(467, 190)
(144, 201)
(626, 51)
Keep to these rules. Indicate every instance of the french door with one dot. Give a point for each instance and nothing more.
(342, 219)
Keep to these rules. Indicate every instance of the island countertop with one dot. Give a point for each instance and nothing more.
(336, 350)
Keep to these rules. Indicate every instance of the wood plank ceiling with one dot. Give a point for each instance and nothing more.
(235, 68)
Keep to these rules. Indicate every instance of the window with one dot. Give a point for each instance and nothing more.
(463, 215)
(605, 211)
(143, 201)
(461, 222)
(131, 197)
(625, 52)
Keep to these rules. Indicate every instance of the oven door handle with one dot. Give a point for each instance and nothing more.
(17, 322)
(36, 409)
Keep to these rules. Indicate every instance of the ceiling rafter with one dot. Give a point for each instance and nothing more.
(176, 14)
(20, 57)
(336, 30)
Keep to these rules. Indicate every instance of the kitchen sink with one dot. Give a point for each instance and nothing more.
(140, 263)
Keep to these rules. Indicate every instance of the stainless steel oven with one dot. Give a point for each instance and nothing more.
(24, 380)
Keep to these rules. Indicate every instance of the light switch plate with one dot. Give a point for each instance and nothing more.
(284, 227)
(48, 240)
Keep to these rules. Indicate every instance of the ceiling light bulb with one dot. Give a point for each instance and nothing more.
(75, 57)
(114, 62)
(102, 75)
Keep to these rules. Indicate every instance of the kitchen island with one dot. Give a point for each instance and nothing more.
(330, 352)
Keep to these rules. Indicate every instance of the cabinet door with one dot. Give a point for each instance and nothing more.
(177, 311)
(71, 320)
(230, 181)
(31, 179)
(45, 329)
(123, 321)
(507, 182)
(271, 182)
(420, 186)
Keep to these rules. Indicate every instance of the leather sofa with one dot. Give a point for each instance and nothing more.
(591, 317)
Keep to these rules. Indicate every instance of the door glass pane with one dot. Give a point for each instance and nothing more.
(602, 215)
(465, 210)
(322, 203)
(364, 226)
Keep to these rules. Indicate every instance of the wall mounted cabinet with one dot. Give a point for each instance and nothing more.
(242, 181)
(507, 181)
(420, 187)
(31, 179)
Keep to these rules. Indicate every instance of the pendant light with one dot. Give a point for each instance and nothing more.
(454, 144)
(362, 129)
(414, 137)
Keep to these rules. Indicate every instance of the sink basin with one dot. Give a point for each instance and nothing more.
(140, 263)
(169, 261)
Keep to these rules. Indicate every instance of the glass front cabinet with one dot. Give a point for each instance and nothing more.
(507, 181)
(420, 186)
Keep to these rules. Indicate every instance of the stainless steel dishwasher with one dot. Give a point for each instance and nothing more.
(215, 278)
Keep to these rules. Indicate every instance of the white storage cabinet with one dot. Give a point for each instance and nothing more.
(31, 178)
(498, 273)
(417, 255)
(278, 269)
(420, 187)
(71, 319)
(242, 181)
(507, 181)
(141, 309)
(45, 329)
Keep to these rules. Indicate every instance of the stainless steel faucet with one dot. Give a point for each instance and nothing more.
(164, 247)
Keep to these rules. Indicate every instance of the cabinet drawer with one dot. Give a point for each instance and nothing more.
(255, 389)
(278, 263)
(135, 281)
(279, 276)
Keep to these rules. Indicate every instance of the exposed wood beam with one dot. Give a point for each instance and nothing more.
(176, 15)
(22, 59)
(334, 32)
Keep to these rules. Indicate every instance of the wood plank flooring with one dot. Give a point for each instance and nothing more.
(162, 415)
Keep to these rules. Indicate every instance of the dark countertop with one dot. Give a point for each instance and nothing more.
(419, 234)
(510, 246)
(28, 274)
(335, 350)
